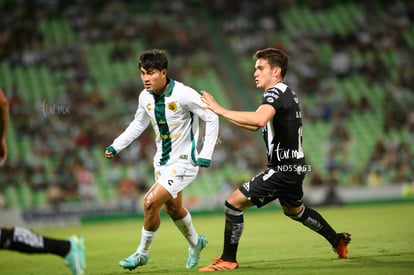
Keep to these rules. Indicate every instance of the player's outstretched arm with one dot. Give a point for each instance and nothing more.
(248, 120)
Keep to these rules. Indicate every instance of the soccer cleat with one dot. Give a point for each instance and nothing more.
(219, 265)
(194, 253)
(342, 248)
(133, 261)
(75, 259)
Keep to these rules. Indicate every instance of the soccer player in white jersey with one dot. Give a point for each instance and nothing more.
(280, 119)
(174, 110)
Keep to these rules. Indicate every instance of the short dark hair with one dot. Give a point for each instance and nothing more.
(275, 57)
(153, 59)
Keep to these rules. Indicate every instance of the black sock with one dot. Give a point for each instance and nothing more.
(313, 220)
(26, 241)
(232, 232)
(58, 247)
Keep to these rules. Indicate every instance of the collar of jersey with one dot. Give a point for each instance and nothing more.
(169, 89)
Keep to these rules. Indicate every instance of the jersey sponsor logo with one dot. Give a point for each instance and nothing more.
(274, 94)
(168, 136)
(172, 106)
(176, 124)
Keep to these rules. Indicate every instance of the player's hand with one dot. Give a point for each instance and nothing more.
(108, 154)
(208, 102)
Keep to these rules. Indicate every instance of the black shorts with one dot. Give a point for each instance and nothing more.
(270, 185)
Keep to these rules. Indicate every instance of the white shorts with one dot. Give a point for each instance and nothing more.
(175, 177)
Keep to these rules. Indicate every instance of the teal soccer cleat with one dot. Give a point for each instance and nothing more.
(134, 261)
(75, 259)
(194, 252)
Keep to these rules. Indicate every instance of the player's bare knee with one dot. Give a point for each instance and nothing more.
(150, 205)
(230, 209)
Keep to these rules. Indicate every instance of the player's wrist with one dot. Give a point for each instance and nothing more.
(111, 149)
(203, 162)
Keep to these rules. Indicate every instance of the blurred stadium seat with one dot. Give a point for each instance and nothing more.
(304, 31)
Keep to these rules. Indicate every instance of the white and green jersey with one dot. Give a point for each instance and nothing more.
(174, 115)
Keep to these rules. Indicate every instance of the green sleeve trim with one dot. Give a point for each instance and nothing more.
(203, 162)
(111, 149)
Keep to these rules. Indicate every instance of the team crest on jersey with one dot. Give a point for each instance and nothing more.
(172, 106)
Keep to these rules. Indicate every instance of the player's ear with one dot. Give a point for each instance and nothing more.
(277, 71)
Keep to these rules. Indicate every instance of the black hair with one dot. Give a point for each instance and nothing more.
(275, 57)
(153, 59)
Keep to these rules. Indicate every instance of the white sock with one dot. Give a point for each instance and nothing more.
(186, 227)
(146, 240)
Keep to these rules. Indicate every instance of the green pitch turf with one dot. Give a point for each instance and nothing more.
(382, 243)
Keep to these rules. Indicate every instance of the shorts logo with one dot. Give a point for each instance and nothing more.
(247, 186)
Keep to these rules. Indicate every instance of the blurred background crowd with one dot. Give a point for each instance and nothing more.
(69, 69)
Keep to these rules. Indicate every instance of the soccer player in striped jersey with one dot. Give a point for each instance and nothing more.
(280, 119)
(174, 110)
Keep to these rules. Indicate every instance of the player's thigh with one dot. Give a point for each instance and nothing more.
(291, 195)
(156, 196)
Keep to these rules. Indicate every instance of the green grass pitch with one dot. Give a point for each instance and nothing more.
(382, 243)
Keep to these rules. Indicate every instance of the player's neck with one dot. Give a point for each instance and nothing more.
(272, 84)
(163, 89)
